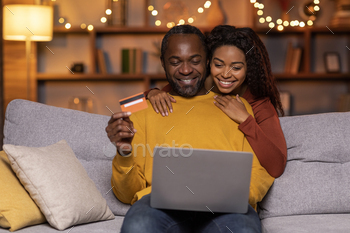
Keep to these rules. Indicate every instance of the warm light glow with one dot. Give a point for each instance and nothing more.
(83, 26)
(316, 1)
(103, 19)
(256, 5)
(316, 8)
(207, 4)
(154, 12)
(271, 25)
(261, 6)
(90, 27)
(68, 25)
(252, 1)
(150, 8)
(280, 28)
(169, 25)
(158, 22)
(302, 24)
(268, 19)
(181, 21)
(108, 12)
(61, 20)
(310, 22)
(296, 22)
(200, 10)
(262, 20)
(285, 23)
(260, 12)
(190, 20)
(32, 22)
(279, 21)
(292, 23)
(76, 100)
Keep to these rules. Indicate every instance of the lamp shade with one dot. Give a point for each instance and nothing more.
(27, 22)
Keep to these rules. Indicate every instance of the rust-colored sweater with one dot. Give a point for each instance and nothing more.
(263, 132)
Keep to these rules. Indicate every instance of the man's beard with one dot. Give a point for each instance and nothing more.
(187, 90)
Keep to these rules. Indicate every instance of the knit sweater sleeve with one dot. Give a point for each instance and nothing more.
(265, 135)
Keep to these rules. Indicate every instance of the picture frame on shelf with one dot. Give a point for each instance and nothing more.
(332, 62)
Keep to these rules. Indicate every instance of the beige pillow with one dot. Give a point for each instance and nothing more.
(59, 184)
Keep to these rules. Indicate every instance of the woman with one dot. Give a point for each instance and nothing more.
(240, 66)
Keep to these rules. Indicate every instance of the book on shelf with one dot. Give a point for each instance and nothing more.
(132, 60)
(293, 59)
(101, 61)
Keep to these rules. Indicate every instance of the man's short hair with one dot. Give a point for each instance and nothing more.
(183, 29)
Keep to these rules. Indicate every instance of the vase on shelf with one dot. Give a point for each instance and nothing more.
(215, 14)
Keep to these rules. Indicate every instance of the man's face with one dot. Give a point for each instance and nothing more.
(185, 64)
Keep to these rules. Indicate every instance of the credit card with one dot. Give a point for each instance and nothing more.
(133, 103)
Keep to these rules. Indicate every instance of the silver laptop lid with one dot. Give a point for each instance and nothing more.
(201, 180)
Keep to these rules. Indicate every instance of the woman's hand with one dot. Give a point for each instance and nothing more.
(161, 101)
(234, 108)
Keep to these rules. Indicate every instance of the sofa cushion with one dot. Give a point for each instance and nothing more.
(112, 226)
(58, 184)
(316, 178)
(17, 209)
(37, 125)
(319, 223)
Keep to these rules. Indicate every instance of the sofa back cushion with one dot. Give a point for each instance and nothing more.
(38, 125)
(316, 178)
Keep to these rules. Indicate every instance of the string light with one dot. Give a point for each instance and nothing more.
(68, 26)
(158, 22)
(83, 26)
(191, 19)
(61, 20)
(90, 27)
(282, 24)
(103, 19)
(108, 12)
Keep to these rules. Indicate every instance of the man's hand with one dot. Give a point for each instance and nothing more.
(234, 108)
(120, 131)
(161, 101)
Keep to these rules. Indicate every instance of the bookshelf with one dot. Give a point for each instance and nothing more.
(305, 37)
(305, 72)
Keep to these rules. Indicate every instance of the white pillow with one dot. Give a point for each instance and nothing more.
(59, 184)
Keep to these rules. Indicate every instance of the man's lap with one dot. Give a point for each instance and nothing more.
(141, 217)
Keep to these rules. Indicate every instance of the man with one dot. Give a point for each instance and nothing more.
(196, 121)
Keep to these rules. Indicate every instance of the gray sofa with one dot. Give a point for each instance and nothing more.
(311, 196)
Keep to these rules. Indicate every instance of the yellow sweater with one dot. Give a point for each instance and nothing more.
(195, 121)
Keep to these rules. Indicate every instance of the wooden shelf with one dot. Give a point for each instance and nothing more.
(140, 77)
(98, 77)
(299, 30)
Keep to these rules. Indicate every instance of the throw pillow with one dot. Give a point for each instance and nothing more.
(17, 209)
(58, 184)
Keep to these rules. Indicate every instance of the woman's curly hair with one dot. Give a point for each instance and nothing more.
(259, 78)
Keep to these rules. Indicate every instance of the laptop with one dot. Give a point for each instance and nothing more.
(201, 180)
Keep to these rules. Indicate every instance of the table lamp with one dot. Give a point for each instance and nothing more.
(27, 23)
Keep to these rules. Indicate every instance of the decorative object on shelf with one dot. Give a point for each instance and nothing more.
(176, 13)
(332, 62)
(77, 68)
(215, 14)
(101, 61)
(341, 17)
(282, 23)
(20, 23)
(84, 104)
(309, 10)
(118, 12)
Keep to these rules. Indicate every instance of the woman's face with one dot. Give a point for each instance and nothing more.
(228, 69)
